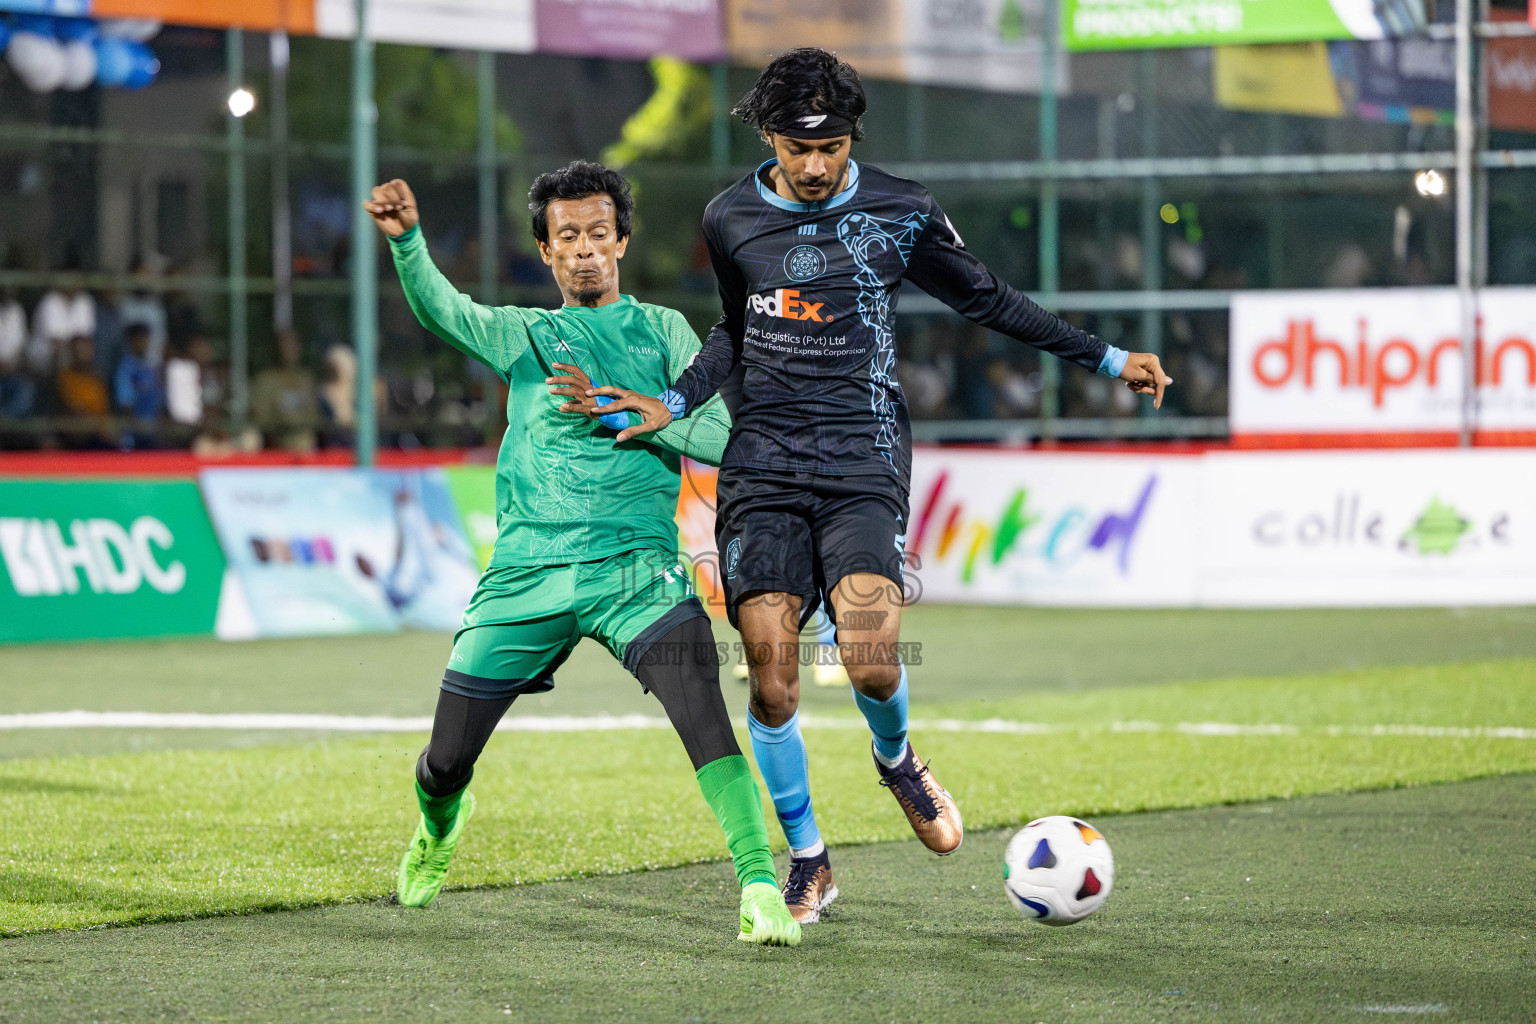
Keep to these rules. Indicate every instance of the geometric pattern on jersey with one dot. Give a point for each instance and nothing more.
(867, 237)
(565, 502)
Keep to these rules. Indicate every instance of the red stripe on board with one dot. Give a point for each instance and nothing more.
(1407, 439)
(185, 464)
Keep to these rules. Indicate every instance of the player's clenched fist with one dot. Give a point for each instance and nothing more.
(393, 208)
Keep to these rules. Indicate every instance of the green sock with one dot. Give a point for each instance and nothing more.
(731, 792)
(439, 811)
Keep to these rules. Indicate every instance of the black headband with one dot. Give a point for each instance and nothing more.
(811, 127)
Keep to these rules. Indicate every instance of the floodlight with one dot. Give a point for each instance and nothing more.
(242, 102)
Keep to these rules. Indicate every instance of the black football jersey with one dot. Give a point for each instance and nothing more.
(806, 347)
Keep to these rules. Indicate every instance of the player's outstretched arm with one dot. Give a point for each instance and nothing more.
(941, 266)
(1143, 374)
(495, 335)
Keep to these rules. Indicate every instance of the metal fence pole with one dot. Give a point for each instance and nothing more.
(1050, 212)
(282, 221)
(1151, 202)
(1466, 140)
(365, 284)
(485, 154)
(917, 120)
(239, 325)
(720, 116)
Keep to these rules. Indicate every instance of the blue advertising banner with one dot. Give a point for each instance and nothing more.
(321, 551)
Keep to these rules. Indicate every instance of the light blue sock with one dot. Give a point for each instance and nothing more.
(780, 757)
(887, 719)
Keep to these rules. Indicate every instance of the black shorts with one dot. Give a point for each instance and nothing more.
(800, 534)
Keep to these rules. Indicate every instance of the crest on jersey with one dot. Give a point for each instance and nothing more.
(732, 557)
(804, 262)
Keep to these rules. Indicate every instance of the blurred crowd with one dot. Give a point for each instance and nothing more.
(137, 370)
(110, 369)
(123, 371)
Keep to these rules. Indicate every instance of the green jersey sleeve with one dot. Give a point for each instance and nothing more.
(703, 434)
(495, 335)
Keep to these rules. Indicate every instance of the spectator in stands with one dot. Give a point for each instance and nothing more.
(183, 317)
(136, 384)
(1016, 393)
(184, 382)
(61, 315)
(338, 392)
(284, 402)
(973, 390)
(81, 390)
(18, 392)
(111, 332)
(144, 306)
(926, 388)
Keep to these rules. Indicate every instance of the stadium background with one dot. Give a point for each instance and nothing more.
(1315, 565)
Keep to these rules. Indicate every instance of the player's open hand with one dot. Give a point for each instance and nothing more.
(653, 415)
(573, 383)
(393, 208)
(1144, 375)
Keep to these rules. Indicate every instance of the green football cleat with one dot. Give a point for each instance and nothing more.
(764, 917)
(424, 868)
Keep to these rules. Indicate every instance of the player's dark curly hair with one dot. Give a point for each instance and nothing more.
(578, 180)
(809, 80)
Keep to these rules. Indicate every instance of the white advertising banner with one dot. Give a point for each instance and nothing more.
(506, 25)
(1042, 528)
(1224, 529)
(1368, 528)
(1379, 361)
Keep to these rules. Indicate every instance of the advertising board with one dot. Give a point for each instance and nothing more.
(1052, 529)
(636, 29)
(1142, 24)
(106, 558)
(1369, 529)
(1379, 361)
(1219, 529)
(320, 551)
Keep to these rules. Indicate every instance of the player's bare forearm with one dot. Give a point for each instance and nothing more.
(1143, 374)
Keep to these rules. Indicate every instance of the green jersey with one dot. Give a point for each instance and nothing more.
(565, 492)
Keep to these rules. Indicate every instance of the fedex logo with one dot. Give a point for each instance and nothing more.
(786, 303)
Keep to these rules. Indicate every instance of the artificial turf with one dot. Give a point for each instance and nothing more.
(182, 833)
(967, 654)
(1410, 903)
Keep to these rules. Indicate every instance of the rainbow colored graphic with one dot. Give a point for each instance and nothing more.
(973, 538)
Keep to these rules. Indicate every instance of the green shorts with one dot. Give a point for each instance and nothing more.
(524, 621)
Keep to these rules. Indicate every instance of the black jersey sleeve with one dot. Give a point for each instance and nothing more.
(721, 351)
(941, 266)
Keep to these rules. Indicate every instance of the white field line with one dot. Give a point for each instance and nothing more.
(610, 723)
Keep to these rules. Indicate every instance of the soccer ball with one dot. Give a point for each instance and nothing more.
(1058, 870)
